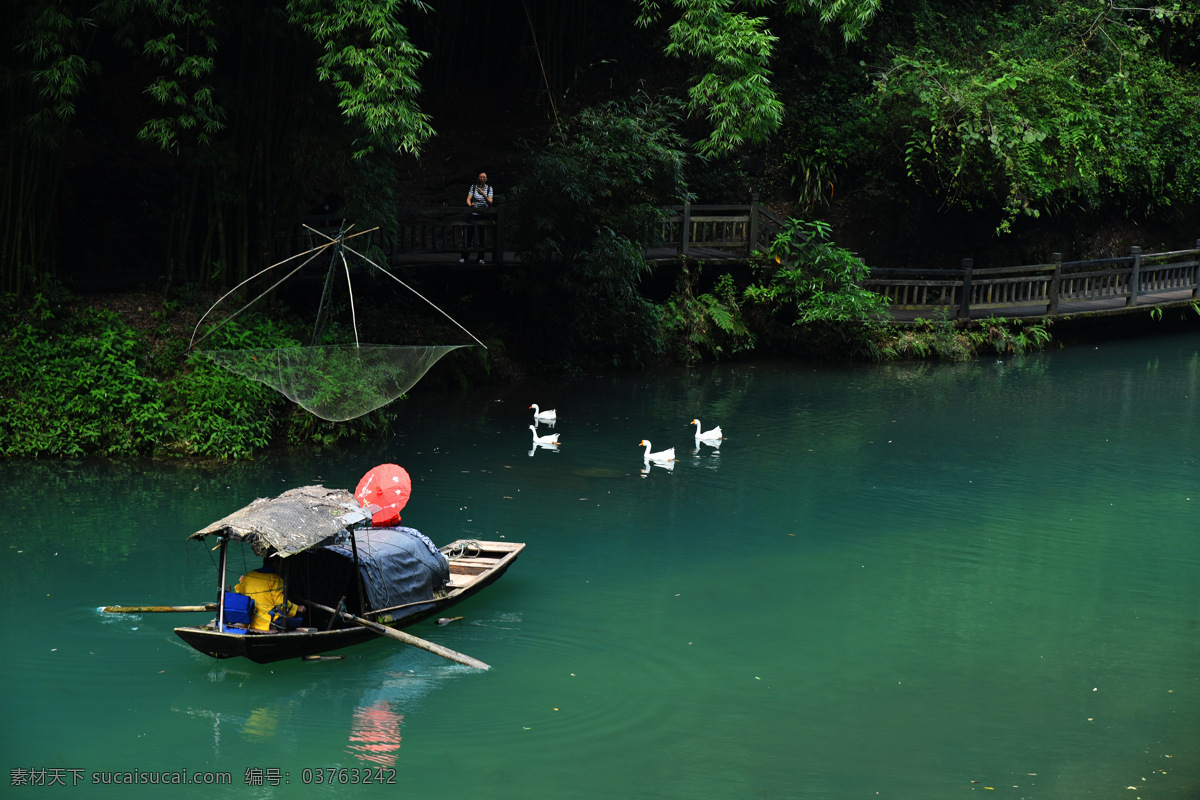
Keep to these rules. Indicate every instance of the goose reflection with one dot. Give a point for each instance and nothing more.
(543, 446)
(669, 466)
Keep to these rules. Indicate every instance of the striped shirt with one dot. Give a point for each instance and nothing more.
(480, 198)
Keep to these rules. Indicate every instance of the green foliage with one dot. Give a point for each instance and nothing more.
(364, 55)
(946, 341)
(42, 78)
(222, 414)
(1005, 337)
(50, 40)
(707, 324)
(74, 388)
(732, 52)
(817, 286)
(1048, 105)
(184, 46)
(851, 16)
(585, 210)
(940, 340)
(307, 429)
(262, 105)
(734, 90)
(614, 168)
(83, 383)
(215, 412)
(368, 59)
(830, 137)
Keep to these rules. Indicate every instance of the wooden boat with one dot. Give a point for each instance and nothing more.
(357, 582)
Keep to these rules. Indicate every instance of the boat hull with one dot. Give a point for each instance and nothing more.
(469, 575)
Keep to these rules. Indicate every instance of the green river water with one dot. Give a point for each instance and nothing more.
(933, 581)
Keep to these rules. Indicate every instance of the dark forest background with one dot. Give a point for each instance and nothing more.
(153, 142)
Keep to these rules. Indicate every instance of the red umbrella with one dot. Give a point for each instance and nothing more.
(387, 486)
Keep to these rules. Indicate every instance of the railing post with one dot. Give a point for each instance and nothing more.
(1052, 305)
(964, 308)
(686, 230)
(1134, 276)
(753, 248)
(498, 242)
(1196, 273)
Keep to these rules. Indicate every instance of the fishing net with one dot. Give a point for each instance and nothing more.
(336, 381)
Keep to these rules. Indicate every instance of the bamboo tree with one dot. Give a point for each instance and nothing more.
(40, 84)
(731, 51)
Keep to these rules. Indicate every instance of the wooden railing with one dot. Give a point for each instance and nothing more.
(954, 293)
(735, 229)
(449, 230)
(744, 228)
(418, 231)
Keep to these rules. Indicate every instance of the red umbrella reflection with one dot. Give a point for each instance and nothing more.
(375, 733)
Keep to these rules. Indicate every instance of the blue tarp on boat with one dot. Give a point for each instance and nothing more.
(398, 566)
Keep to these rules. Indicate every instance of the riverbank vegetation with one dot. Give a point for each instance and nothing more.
(102, 377)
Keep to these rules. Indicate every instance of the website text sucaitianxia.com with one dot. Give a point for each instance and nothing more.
(35, 777)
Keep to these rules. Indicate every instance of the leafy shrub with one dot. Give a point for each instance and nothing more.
(945, 341)
(816, 286)
(220, 413)
(1039, 107)
(75, 388)
(589, 204)
(705, 324)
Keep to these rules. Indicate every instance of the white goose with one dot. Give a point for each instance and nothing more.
(549, 438)
(545, 416)
(660, 456)
(710, 435)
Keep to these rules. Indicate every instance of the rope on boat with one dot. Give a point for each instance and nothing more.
(468, 549)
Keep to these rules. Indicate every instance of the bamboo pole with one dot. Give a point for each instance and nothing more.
(157, 609)
(401, 636)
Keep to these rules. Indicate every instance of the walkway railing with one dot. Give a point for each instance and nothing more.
(417, 232)
(1045, 287)
(736, 230)
(449, 230)
(742, 228)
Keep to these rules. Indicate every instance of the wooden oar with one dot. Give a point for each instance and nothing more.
(155, 609)
(401, 636)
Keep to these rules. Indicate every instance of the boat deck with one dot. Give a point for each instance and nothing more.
(470, 558)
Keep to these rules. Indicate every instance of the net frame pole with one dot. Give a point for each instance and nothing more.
(418, 294)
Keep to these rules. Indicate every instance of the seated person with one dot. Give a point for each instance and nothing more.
(264, 586)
